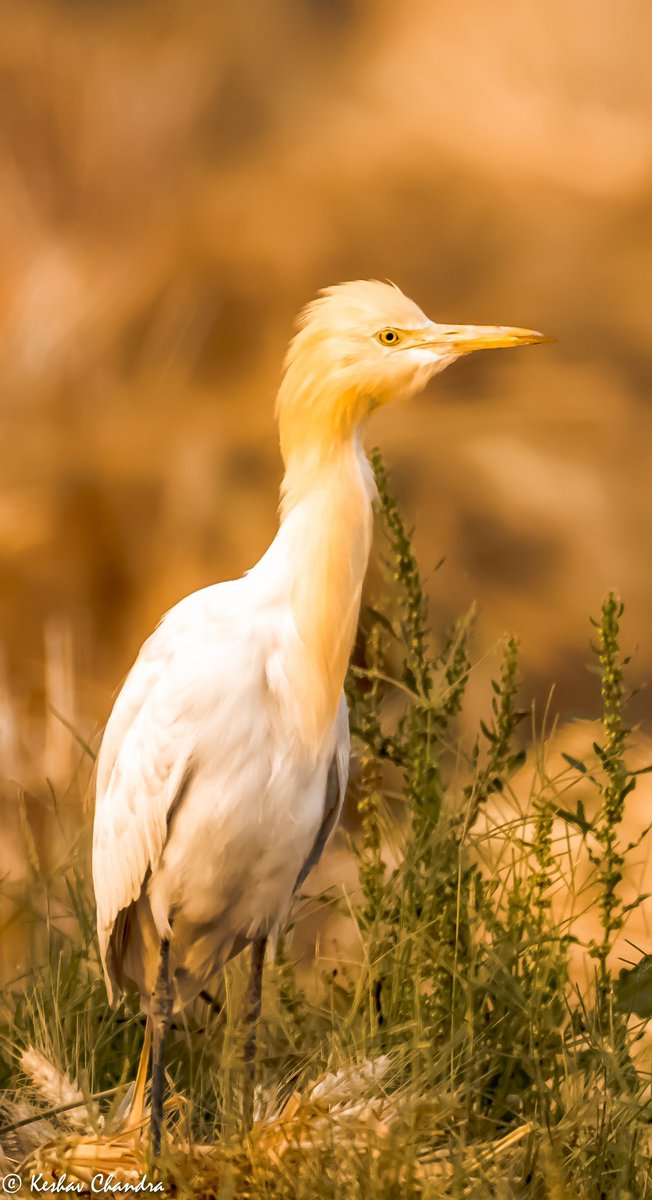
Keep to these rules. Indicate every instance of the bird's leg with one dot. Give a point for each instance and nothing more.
(133, 1119)
(161, 1020)
(252, 1013)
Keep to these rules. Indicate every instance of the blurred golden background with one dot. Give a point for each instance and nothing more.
(176, 180)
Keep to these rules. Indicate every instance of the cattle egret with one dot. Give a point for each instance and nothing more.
(224, 762)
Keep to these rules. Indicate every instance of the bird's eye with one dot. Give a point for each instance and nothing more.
(388, 337)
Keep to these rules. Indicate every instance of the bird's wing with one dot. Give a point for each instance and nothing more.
(141, 680)
(146, 758)
(336, 781)
(149, 773)
(154, 658)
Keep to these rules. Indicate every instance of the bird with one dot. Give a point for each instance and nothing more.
(223, 765)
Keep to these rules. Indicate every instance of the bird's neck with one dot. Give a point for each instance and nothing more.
(326, 530)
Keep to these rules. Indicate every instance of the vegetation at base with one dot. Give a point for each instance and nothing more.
(454, 1057)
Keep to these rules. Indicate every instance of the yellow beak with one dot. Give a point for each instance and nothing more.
(463, 339)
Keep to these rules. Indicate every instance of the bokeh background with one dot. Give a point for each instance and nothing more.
(176, 180)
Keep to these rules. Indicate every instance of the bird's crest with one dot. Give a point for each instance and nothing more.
(361, 304)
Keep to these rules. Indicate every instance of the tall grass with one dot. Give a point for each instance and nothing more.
(453, 1056)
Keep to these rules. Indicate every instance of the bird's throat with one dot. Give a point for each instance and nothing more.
(327, 521)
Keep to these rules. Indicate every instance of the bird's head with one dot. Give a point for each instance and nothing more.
(360, 345)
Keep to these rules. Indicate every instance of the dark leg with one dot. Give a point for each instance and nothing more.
(252, 1013)
(161, 1019)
